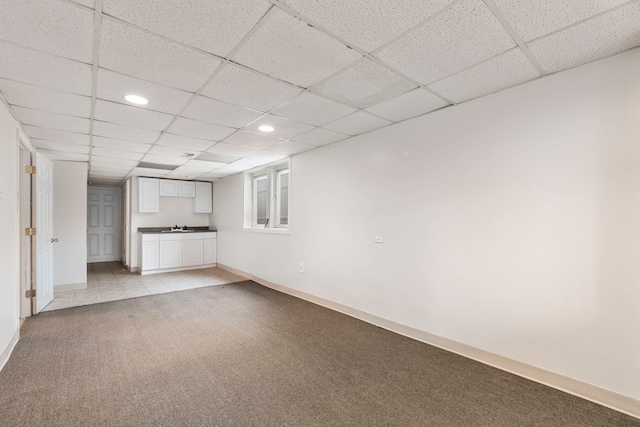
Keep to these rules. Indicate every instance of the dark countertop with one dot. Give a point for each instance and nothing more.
(156, 230)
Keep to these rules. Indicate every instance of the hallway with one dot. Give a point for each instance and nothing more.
(110, 281)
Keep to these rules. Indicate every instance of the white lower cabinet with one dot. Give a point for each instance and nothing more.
(209, 251)
(172, 252)
(192, 253)
(150, 255)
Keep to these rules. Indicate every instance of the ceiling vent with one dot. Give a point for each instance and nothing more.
(188, 155)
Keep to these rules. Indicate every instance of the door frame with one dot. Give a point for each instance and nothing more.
(119, 226)
(25, 192)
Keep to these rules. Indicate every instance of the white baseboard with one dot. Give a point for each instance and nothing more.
(4, 356)
(70, 286)
(171, 270)
(593, 393)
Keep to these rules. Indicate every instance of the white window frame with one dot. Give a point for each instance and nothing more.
(272, 172)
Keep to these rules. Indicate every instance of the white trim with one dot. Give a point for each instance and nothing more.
(610, 399)
(267, 230)
(6, 353)
(70, 286)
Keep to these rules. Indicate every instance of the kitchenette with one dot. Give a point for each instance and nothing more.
(170, 225)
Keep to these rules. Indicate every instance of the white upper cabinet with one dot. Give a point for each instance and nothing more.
(177, 188)
(148, 195)
(203, 201)
(186, 189)
(169, 187)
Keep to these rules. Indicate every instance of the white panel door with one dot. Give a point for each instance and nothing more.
(103, 224)
(43, 220)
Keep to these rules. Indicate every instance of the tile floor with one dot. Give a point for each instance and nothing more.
(110, 281)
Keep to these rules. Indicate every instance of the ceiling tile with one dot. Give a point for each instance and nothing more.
(243, 164)
(113, 160)
(213, 26)
(114, 86)
(266, 157)
(532, 19)
(60, 146)
(589, 41)
(131, 116)
(87, 3)
(291, 147)
(464, 35)
(112, 130)
(49, 120)
(217, 158)
(367, 24)
(59, 155)
(320, 136)
(231, 150)
(184, 142)
(408, 105)
(117, 144)
(284, 128)
(158, 150)
(289, 49)
(503, 71)
(364, 84)
(252, 140)
(50, 26)
(220, 113)
(153, 58)
(201, 164)
(198, 129)
(165, 160)
(57, 135)
(214, 176)
(109, 166)
(313, 109)
(45, 70)
(40, 98)
(107, 172)
(357, 123)
(119, 154)
(240, 86)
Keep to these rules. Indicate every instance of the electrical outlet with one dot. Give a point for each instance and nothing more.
(301, 267)
(378, 239)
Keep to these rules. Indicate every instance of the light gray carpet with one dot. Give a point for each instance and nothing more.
(245, 355)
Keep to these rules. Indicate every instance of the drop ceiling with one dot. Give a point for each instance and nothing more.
(319, 72)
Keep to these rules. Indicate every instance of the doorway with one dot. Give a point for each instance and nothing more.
(103, 224)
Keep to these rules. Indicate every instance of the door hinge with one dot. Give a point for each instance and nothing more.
(30, 231)
(30, 293)
(30, 170)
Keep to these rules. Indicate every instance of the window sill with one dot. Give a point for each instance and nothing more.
(267, 230)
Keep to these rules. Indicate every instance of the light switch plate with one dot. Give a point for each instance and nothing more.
(378, 239)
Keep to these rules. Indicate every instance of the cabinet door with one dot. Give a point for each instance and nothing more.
(171, 254)
(209, 251)
(186, 189)
(192, 252)
(148, 195)
(169, 187)
(150, 256)
(203, 201)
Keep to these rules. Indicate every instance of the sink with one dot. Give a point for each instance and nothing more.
(178, 231)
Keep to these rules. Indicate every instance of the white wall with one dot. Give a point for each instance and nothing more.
(70, 222)
(511, 224)
(173, 211)
(9, 232)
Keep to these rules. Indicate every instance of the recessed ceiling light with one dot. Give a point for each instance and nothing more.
(135, 99)
(266, 128)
